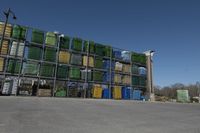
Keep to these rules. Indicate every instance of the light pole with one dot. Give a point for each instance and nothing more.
(7, 14)
(149, 55)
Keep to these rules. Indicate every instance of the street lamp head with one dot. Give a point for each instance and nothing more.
(149, 53)
(7, 13)
(14, 17)
(152, 51)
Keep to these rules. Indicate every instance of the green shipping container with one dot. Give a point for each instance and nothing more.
(62, 71)
(98, 63)
(135, 69)
(108, 50)
(183, 96)
(143, 59)
(138, 58)
(89, 44)
(135, 80)
(76, 44)
(89, 75)
(30, 68)
(19, 32)
(142, 81)
(47, 70)
(13, 66)
(60, 93)
(50, 54)
(100, 49)
(37, 36)
(74, 73)
(64, 42)
(34, 53)
(98, 76)
(76, 59)
(51, 38)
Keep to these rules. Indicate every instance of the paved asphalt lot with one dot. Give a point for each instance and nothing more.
(64, 115)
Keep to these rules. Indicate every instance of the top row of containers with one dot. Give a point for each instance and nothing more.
(77, 44)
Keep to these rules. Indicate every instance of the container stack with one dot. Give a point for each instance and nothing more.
(99, 71)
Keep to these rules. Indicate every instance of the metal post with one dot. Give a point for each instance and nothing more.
(150, 87)
(86, 86)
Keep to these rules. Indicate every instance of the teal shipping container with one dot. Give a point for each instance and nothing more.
(142, 81)
(34, 53)
(76, 59)
(98, 76)
(89, 75)
(135, 80)
(135, 69)
(62, 71)
(47, 70)
(30, 68)
(14, 66)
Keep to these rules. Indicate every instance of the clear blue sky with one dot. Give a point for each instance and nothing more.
(171, 27)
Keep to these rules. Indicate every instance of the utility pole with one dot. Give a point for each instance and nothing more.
(149, 62)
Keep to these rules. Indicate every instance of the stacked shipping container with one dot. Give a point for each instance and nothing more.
(51, 56)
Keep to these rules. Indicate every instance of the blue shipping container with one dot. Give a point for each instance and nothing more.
(105, 93)
(106, 76)
(117, 54)
(106, 64)
(137, 94)
(142, 71)
(126, 56)
(126, 92)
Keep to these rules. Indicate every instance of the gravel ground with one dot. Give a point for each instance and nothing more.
(67, 115)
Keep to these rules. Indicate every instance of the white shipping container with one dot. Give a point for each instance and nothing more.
(14, 86)
(7, 87)
(17, 48)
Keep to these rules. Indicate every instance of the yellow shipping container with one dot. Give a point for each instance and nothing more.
(1, 64)
(118, 78)
(117, 92)
(8, 29)
(126, 79)
(4, 47)
(64, 57)
(97, 91)
(126, 68)
(118, 66)
(91, 61)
